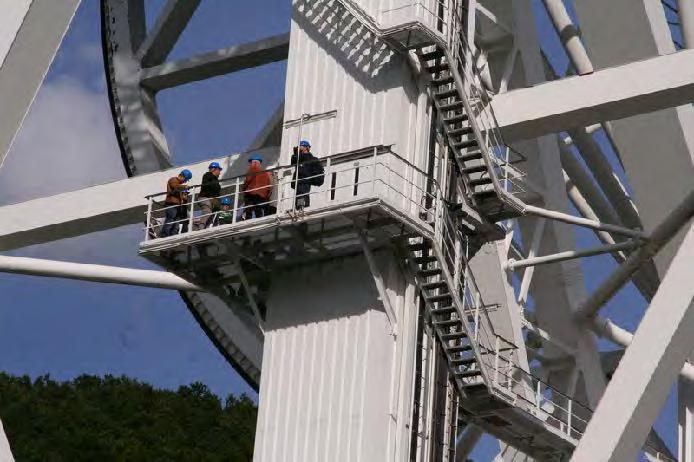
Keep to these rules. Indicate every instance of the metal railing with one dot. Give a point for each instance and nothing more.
(370, 173)
(448, 33)
(498, 356)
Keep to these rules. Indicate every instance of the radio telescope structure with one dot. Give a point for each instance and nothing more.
(433, 288)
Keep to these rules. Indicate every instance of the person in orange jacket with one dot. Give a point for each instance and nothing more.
(257, 189)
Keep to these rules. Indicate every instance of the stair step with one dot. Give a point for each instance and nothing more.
(459, 348)
(429, 272)
(423, 260)
(438, 298)
(470, 387)
(446, 93)
(470, 156)
(441, 81)
(434, 285)
(460, 131)
(454, 119)
(482, 195)
(451, 106)
(476, 169)
(437, 53)
(447, 323)
(419, 246)
(467, 374)
(436, 68)
(443, 311)
(452, 336)
(463, 361)
(480, 181)
(465, 144)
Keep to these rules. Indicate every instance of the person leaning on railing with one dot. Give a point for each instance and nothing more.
(176, 211)
(257, 189)
(309, 172)
(209, 192)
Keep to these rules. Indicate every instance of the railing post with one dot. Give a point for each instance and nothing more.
(538, 393)
(148, 223)
(192, 210)
(234, 219)
(328, 178)
(373, 173)
(568, 418)
(496, 361)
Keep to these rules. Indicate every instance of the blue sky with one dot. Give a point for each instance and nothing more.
(67, 328)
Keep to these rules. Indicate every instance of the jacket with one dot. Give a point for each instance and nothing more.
(258, 182)
(210, 186)
(176, 191)
(310, 172)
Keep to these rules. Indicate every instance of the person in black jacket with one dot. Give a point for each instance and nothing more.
(210, 191)
(309, 172)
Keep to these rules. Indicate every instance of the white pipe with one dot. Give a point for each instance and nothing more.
(95, 273)
(622, 337)
(569, 255)
(569, 36)
(566, 218)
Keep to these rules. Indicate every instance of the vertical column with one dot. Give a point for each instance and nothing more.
(641, 383)
(641, 31)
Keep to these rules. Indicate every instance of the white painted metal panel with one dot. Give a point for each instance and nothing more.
(332, 388)
(335, 64)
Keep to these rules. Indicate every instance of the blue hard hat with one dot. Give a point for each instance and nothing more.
(255, 157)
(225, 201)
(215, 165)
(187, 174)
(305, 144)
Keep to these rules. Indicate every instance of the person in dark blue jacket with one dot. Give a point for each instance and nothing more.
(309, 172)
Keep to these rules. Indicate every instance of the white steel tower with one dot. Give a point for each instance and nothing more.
(432, 291)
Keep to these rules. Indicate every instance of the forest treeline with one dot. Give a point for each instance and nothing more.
(117, 418)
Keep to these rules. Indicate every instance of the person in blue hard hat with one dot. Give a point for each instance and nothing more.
(208, 201)
(175, 210)
(225, 215)
(257, 189)
(309, 172)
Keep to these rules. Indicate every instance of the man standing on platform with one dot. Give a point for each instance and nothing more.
(209, 193)
(308, 172)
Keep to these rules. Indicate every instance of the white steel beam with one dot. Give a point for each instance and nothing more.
(660, 237)
(5, 450)
(220, 62)
(166, 31)
(26, 62)
(645, 375)
(108, 206)
(95, 273)
(686, 13)
(655, 83)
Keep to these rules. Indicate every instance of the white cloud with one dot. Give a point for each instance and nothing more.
(67, 142)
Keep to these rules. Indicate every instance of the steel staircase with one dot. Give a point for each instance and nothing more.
(495, 393)
(490, 182)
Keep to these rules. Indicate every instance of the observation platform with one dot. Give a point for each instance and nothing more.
(371, 193)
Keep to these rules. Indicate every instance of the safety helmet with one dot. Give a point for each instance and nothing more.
(215, 165)
(187, 174)
(225, 201)
(305, 144)
(255, 157)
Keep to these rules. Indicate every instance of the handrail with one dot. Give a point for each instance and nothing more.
(342, 157)
(368, 22)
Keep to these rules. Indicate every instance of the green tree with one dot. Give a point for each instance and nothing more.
(117, 418)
